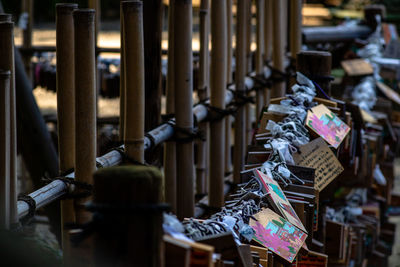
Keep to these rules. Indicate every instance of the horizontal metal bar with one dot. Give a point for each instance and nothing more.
(162, 133)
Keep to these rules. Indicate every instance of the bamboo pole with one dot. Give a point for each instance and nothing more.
(249, 64)
(27, 7)
(268, 39)
(65, 106)
(279, 31)
(4, 147)
(7, 63)
(217, 99)
(203, 94)
(122, 88)
(295, 27)
(134, 78)
(285, 24)
(95, 5)
(229, 80)
(152, 34)
(85, 102)
(183, 106)
(170, 146)
(240, 73)
(259, 55)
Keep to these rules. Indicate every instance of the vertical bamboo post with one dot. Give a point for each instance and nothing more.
(279, 31)
(183, 106)
(248, 36)
(152, 34)
(7, 63)
(121, 78)
(316, 65)
(85, 102)
(134, 79)
(285, 24)
(27, 7)
(95, 5)
(295, 27)
(136, 191)
(202, 91)
(218, 86)
(268, 39)
(249, 65)
(65, 106)
(259, 54)
(5, 78)
(170, 164)
(4, 147)
(241, 89)
(229, 80)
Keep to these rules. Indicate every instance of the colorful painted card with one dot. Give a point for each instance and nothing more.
(278, 200)
(277, 234)
(327, 125)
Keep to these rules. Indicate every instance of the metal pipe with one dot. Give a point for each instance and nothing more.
(162, 133)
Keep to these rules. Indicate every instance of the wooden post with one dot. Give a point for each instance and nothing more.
(183, 106)
(122, 82)
(315, 65)
(241, 89)
(85, 102)
(279, 31)
(268, 39)
(7, 63)
(170, 164)
(152, 23)
(259, 54)
(4, 145)
(134, 78)
(202, 91)
(65, 106)
(27, 7)
(295, 27)
(131, 196)
(229, 80)
(218, 86)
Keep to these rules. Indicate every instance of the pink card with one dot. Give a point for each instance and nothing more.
(277, 234)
